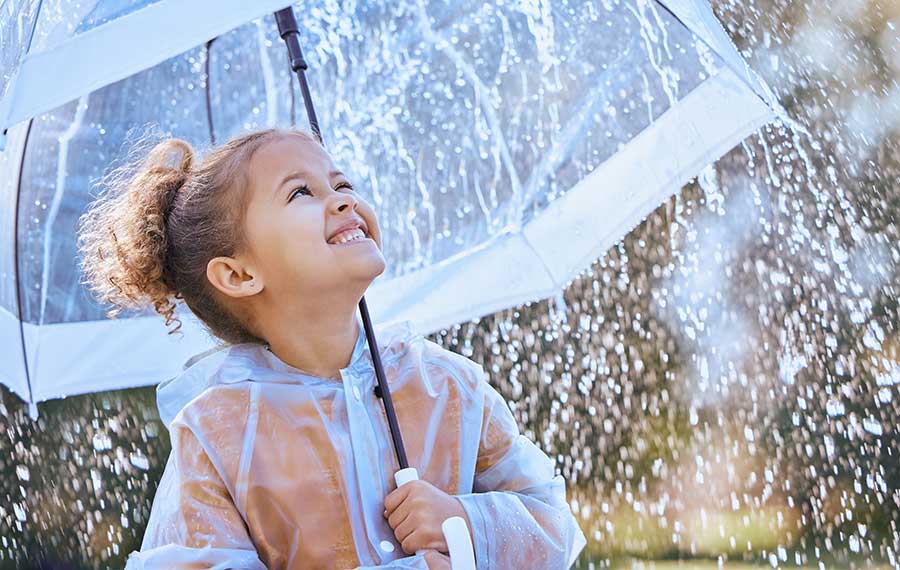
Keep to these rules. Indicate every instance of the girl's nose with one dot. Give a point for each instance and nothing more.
(343, 200)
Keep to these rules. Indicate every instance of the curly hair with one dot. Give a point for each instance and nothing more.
(158, 220)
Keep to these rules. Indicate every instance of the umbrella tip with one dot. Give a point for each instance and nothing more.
(32, 410)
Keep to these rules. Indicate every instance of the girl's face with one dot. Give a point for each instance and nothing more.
(300, 203)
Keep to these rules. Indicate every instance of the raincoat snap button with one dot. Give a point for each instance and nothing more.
(386, 546)
(356, 393)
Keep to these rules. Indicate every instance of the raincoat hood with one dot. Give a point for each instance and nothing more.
(252, 362)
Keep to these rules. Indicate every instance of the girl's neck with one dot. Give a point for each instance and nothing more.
(320, 349)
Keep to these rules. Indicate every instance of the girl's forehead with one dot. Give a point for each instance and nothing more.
(291, 152)
(288, 157)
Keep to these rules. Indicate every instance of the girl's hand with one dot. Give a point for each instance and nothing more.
(436, 560)
(416, 510)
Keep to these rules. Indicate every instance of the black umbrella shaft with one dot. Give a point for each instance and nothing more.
(287, 28)
(382, 389)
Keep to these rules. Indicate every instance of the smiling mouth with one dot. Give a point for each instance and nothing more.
(356, 235)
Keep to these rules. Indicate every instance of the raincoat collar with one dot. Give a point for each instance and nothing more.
(252, 362)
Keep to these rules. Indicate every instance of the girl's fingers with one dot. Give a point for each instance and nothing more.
(398, 517)
(415, 541)
(404, 529)
(396, 497)
(436, 560)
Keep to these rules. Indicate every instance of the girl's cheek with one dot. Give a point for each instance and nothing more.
(371, 221)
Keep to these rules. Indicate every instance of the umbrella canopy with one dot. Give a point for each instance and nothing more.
(504, 148)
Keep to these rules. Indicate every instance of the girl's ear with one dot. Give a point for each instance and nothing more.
(229, 276)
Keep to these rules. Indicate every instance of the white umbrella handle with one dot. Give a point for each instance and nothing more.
(456, 533)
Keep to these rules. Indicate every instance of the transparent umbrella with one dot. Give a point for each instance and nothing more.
(503, 147)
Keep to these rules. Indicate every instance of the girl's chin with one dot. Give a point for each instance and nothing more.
(377, 265)
(368, 268)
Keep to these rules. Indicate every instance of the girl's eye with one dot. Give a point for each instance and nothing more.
(307, 190)
(300, 189)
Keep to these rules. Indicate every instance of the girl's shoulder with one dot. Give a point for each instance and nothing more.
(212, 386)
(468, 373)
(216, 422)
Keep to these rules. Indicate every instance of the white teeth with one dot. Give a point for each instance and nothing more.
(349, 235)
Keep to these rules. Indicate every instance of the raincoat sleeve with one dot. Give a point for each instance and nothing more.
(518, 512)
(193, 522)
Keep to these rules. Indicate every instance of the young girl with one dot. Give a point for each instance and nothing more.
(281, 452)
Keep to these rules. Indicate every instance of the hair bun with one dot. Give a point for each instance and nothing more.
(170, 162)
(123, 235)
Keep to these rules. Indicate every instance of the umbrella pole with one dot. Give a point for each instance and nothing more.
(287, 29)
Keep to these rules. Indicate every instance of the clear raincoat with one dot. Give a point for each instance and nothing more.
(274, 468)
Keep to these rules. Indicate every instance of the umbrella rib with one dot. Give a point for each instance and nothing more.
(560, 152)
(540, 258)
(31, 404)
(37, 15)
(207, 50)
(767, 97)
(56, 203)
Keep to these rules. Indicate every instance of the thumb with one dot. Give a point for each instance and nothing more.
(435, 557)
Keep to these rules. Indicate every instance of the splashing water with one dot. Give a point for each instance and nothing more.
(721, 384)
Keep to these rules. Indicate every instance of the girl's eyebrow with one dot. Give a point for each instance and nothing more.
(302, 174)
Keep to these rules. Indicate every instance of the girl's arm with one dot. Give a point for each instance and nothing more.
(518, 512)
(193, 522)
